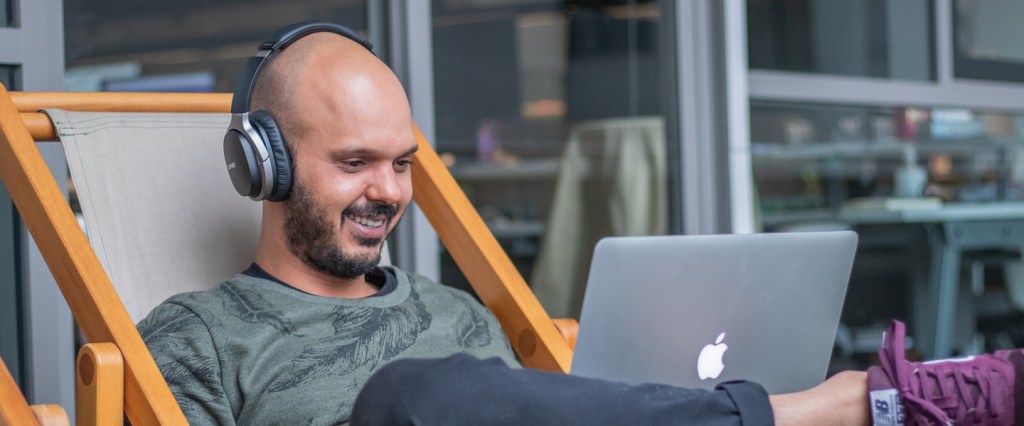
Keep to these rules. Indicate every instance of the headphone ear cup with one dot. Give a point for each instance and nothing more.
(264, 123)
(242, 162)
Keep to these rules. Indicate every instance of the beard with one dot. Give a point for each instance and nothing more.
(310, 231)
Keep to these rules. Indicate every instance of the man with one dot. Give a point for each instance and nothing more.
(295, 338)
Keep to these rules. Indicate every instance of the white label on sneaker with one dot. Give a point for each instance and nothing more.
(886, 408)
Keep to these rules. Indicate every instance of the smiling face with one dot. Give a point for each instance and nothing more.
(312, 236)
(349, 129)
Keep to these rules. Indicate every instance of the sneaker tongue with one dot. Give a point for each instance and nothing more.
(878, 380)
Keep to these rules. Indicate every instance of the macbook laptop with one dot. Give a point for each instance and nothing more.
(695, 311)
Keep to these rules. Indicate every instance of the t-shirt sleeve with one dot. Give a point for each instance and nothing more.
(184, 350)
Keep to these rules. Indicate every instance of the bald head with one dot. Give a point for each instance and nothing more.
(324, 76)
(347, 122)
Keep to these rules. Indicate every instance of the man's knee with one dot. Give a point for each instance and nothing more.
(391, 383)
(382, 400)
(420, 376)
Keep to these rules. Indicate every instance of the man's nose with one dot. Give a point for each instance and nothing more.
(384, 187)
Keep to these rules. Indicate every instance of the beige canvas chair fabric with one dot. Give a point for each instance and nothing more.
(159, 209)
(611, 181)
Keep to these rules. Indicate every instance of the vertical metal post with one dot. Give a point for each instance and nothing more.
(705, 99)
(944, 42)
(696, 116)
(741, 179)
(417, 246)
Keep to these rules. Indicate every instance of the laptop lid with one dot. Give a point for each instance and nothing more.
(695, 311)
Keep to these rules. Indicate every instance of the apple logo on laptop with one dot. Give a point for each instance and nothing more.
(709, 362)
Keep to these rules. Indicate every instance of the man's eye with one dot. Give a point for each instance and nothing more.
(404, 163)
(353, 164)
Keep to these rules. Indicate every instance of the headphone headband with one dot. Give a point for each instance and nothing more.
(255, 151)
(242, 98)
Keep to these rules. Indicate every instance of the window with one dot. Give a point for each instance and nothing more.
(814, 159)
(987, 40)
(9, 77)
(541, 109)
(6, 13)
(869, 38)
(180, 46)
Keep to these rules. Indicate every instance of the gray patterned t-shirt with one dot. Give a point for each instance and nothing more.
(252, 351)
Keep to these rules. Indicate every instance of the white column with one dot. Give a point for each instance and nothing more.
(412, 58)
(741, 180)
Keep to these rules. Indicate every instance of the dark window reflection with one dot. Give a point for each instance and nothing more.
(9, 77)
(181, 45)
(6, 13)
(987, 40)
(868, 38)
(613, 66)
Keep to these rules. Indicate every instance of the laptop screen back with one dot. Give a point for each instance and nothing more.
(761, 307)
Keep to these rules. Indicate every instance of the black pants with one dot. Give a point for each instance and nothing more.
(461, 390)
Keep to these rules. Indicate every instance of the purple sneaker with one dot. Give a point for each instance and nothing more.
(973, 390)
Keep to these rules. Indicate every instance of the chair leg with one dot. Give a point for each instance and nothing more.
(99, 398)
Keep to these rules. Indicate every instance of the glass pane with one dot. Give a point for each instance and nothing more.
(9, 77)
(987, 40)
(541, 110)
(10, 306)
(10, 296)
(870, 38)
(6, 13)
(162, 46)
(874, 169)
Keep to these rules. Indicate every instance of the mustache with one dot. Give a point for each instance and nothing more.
(372, 209)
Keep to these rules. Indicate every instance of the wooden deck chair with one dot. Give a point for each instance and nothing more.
(102, 317)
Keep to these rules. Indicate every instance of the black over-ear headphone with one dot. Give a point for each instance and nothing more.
(255, 153)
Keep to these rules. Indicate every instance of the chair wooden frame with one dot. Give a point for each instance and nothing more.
(538, 341)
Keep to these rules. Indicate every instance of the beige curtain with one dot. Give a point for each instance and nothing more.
(612, 181)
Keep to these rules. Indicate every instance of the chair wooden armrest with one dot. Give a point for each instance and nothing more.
(99, 390)
(99, 393)
(51, 415)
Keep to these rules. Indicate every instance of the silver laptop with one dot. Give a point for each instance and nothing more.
(695, 311)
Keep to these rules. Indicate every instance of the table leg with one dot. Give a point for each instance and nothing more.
(948, 283)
